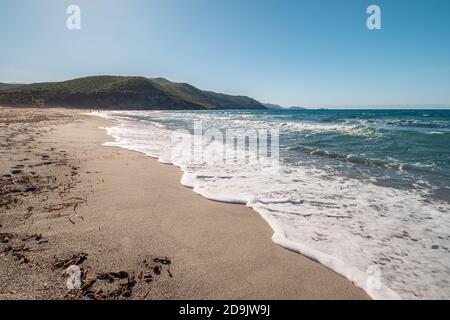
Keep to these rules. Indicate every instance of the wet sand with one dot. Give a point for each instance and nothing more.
(128, 223)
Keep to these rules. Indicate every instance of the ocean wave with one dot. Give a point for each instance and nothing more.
(352, 158)
(417, 123)
(346, 224)
(250, 120)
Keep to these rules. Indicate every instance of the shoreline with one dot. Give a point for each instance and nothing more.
(353, 274)
(202, 238)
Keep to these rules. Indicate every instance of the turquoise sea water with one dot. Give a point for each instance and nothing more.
(357, 190)
(399, 148)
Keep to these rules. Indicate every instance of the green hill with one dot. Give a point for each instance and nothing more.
(6, 86)
(111, 92)
(208, 99)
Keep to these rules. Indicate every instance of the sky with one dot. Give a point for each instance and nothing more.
(314, 53)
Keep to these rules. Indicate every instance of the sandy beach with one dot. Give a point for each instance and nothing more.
(128, 223)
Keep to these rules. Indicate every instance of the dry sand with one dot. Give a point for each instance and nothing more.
(128, 212)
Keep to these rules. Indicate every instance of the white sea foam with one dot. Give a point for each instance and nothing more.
(346, 224)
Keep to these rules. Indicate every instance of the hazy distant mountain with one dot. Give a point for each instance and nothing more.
(297, 108)
(112, 92)
(272, 106)
(6, 86)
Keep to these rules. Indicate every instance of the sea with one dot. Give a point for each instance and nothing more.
(364, 192)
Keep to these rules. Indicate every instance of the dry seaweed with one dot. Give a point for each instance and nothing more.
(36, 236)
(76, 259)
(21, 257)
(127, 288)
(164, 260)
(157, 269)
(88, 283)
(111, 276)
(106, 277)
(5, 237)
(148, 278)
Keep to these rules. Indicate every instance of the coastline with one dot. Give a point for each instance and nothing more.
(137, 210)
(362, 280)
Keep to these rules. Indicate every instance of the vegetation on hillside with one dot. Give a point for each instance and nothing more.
(112, 92)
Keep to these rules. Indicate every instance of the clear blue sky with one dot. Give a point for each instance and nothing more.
(307, 53)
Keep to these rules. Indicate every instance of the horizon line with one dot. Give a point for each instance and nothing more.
(426, 106)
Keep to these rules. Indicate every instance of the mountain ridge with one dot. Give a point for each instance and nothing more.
(7, 86)
(121, 92)
(272, 106)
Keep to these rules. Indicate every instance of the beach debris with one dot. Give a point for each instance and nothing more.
(157, 269)
(120, 274)
(57, 215)
(21, 257)
(127, 288)
(19, 248)
(75, 206)
(7, 249)
(94, 295)
(76, 199)
(29, 213)
(5, 237)
(36, 236)
(164, 260)
(88, 283)
(58, 207)
(51, 187)
(161, 262)
(92, 289)
(148, 278)
(124, 288)
(16, 249)
(106, 277)
(30, 189)
(111, 276)
(5, 202)
(76, 259)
